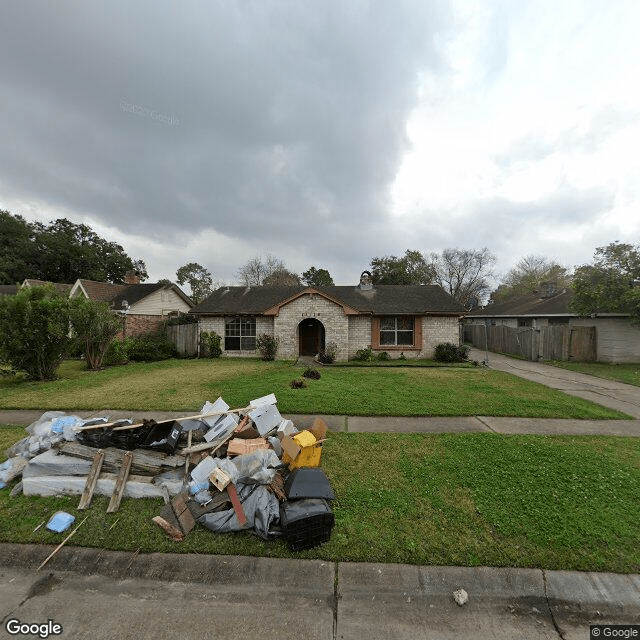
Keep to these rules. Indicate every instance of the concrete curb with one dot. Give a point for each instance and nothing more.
(367, 599)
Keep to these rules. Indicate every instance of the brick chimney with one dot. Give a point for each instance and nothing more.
(131, 277)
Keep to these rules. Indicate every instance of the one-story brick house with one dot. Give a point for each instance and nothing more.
(397, 319)
(143, 306)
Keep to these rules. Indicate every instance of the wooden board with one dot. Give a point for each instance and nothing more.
(118, 489)
(92, 480)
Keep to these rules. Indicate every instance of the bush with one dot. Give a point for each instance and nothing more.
(383, 355)
(181, 318)
(211, 343)
(34, 331)
(449, 352)
(364, 355)
(328, 354)
(402, 356)
(149, 348)
(116, 354)
(267, 345)
(314, 374)
(95, 327)
(297, 384)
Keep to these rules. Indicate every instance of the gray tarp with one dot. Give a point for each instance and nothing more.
(260, 507)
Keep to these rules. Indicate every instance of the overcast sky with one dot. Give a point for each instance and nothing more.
(324, 133)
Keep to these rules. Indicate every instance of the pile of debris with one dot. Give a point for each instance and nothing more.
(227, 469)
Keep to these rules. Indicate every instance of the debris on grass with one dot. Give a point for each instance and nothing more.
(225, 469)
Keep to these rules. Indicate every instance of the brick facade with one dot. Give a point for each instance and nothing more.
(137, 325)
(349, 332)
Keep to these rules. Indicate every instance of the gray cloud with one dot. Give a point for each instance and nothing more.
(269, 122)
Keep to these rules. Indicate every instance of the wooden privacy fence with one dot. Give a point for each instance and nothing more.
(547, 343)
(185, 337)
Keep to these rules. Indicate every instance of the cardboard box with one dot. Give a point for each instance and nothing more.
(305, 448)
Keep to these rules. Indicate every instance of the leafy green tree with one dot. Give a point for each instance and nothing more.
(34, 331)
(313, 277)
(17, 255)
(412, 268)
(611, 284)
(198, 278)
(95, 327)
(61, 251)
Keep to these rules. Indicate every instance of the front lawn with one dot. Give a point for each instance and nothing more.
(629, 373)
(184, 385)
(426, 499)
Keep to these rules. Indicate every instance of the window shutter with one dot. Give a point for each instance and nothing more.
(417, 332)
(375, 333)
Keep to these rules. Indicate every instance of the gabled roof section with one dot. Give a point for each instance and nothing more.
(100, 291)
(133, 293)
(275, 310)
(63, 288)
(528, 305)
(381, 300)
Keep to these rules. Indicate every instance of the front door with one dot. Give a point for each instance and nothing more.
(310, 337)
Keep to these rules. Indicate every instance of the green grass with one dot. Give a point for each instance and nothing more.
(184, 385)
(442, 499)
(629, 373)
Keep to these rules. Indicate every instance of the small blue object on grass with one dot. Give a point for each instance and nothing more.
(60, 521)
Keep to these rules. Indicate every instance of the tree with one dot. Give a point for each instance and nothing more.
(527, 275)
(34, 331)
(281, 278)
(254, 272)
(199, 279)
(465, 273)
(611, 284)
(313, 277)
(412, 268)
(61, 251)
(95, 327)
(17, 255)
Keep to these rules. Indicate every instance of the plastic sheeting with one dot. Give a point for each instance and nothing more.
(260, 507)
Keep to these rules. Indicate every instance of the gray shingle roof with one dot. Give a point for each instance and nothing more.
(381, 300)
(528, 305)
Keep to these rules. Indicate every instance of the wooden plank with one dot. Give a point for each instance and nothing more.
(92, 480)
(179, 504)
(151, 462)
(118, 489)
(237, 505)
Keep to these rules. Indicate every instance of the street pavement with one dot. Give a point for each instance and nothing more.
(106, 594)
(103, 594)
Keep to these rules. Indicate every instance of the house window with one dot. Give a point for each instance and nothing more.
(525, 322)
(240, 334)
(556, 321)
(396, 331)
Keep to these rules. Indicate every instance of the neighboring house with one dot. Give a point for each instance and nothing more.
(612, 337)
(143, 306)
(410, 320)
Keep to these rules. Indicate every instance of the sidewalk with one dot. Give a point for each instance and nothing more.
(358, 424)
(107, 594)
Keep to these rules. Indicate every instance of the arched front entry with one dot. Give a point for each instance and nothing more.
(310, 337)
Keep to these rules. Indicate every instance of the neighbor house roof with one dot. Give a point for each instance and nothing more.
(30, 282)
(528, 305)
(133, 293)
(8, 289)
(380, 300)
(101, 291)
